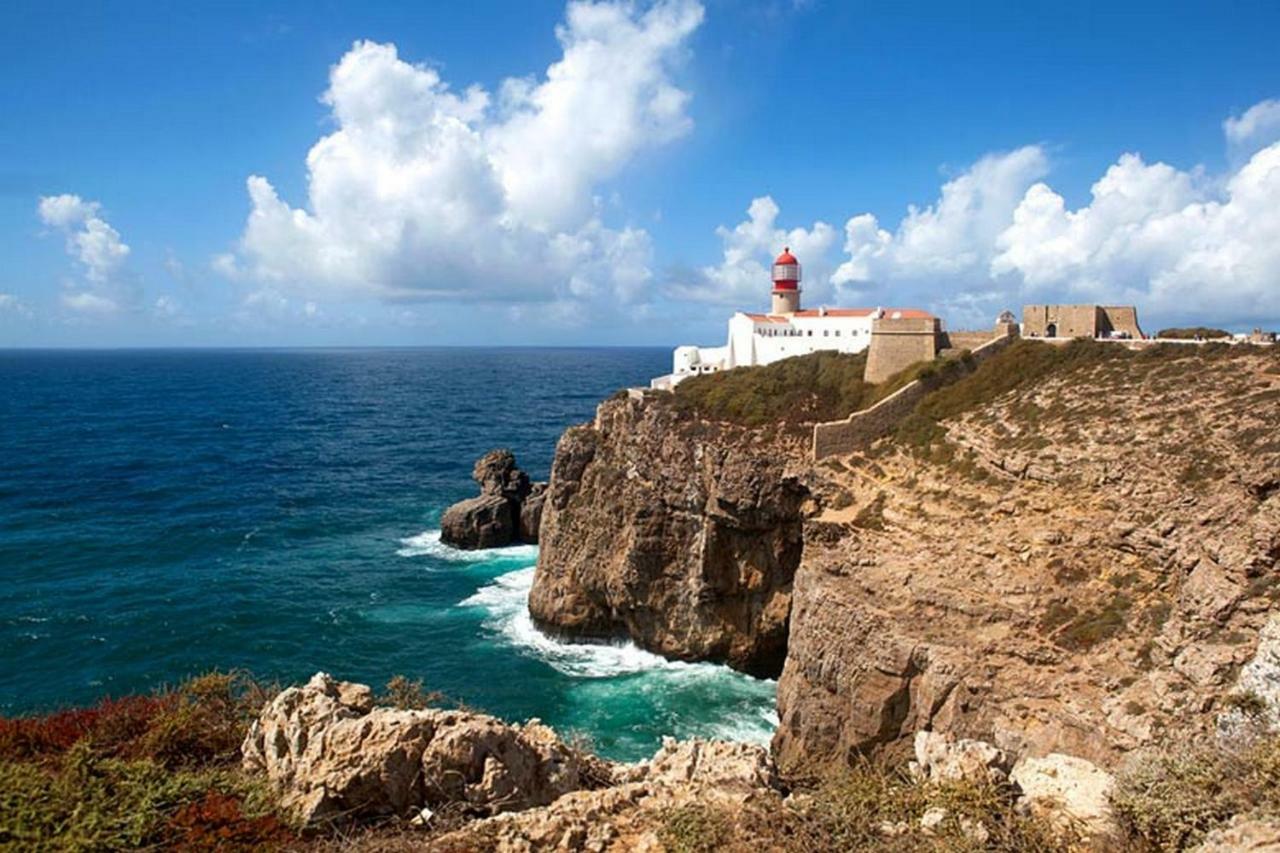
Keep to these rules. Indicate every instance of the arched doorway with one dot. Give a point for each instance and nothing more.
(1051, 330)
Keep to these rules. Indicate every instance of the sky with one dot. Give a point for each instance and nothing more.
(617, 173)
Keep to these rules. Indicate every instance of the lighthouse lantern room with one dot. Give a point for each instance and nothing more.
(786, 283)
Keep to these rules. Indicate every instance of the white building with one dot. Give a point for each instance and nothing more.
(788, 330)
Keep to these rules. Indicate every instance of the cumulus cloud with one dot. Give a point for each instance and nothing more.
(1181, 243)
(1160, 236)
(1253, 129)
(423, 191)
(953, 237)
(90, 240)
(742, 276)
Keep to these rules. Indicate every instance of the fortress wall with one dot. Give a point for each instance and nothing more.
(1072, 321)
(1122, 318)
(966, 340)
(896, 344)
(836, 438)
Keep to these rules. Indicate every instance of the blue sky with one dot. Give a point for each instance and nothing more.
(595, 188)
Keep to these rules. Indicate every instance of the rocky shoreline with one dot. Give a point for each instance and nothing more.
(507, 511)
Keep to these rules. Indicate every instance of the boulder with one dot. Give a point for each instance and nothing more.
(508, 510)
(531, 513)
(484, 522)
(330, 753)
(1064, 786)
(497, 474)
(946, 758)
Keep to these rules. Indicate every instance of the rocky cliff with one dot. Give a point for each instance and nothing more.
(682, 538)
(1078, 564)
(1070, 551)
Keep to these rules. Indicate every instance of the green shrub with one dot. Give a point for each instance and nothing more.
(87, 802)
(1188, 333)
(693, 829)
(1169, 799)
(872, 806)
(822, 386)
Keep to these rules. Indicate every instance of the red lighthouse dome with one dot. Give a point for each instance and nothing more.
(786, 271)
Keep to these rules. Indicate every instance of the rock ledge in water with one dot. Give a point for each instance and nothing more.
(508, 509)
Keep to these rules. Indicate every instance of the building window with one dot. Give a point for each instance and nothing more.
(811, 333)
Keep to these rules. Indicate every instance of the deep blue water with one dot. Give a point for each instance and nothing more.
(163, 513)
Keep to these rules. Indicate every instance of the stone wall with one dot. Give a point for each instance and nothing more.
(899, 342)
(835, 438)
(1079, 321)
(1121, 318)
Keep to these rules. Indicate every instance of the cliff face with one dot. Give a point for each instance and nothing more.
(1078, 565)
(1068, 552)
(682, 538)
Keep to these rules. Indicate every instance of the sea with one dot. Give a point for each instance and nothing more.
(164, 513)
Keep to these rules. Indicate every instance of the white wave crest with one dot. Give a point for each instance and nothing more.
(699, 699)
(428, 544)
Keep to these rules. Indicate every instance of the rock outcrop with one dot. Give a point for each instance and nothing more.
(680, 537)
(737, 778)
(1073, 566)
(330, 753)
(1070, 788)
(508, 509)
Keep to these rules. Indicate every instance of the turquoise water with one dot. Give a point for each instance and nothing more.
(165, 513)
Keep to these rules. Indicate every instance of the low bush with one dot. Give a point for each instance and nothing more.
(871, 806)
(142, 771)
(1170, 798)
(822, 386)
(1191, 333)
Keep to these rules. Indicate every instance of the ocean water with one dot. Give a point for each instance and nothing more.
(163, 513)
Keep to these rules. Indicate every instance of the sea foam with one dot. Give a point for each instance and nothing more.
(624, 672)
(428, 544)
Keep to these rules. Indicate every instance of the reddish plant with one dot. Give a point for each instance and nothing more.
(216, 822)
(111, 724)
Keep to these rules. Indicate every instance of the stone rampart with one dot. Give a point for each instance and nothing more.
(856, 432)
(899, 342)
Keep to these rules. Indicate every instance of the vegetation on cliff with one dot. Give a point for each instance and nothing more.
(1190, 333)
(808, 388)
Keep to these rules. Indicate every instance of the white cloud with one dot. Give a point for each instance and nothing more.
(90, 240)
(1182, 244)
(742, 276)
(423, 192)
(1257, 127)
(1171, 240)
(13, 306)
(87, 302)
(953, 237)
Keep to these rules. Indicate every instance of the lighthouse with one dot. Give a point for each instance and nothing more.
(786, 283)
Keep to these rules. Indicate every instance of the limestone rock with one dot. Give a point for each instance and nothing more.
(329, 753)
(946, 758)
(508, 509)
(531, 513)
(726, 765)
(680, 537)
(1067, 786)
(1244, 835)
(734, 778)
(1260, 680)
(486, 521)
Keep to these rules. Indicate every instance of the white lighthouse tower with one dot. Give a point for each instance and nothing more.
(786, 283)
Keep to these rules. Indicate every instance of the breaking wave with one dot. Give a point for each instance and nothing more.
(695, 699)
(428, 544)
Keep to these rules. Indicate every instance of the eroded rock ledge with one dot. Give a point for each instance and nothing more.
(507, 511)
(682, 539)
